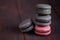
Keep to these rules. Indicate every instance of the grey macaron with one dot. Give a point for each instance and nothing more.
(42, 24)
(26, 25)
(43, 19)
(43, 9)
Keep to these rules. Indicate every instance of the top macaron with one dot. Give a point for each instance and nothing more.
(43, 9)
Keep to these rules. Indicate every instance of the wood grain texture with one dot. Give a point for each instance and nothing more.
(9, 14)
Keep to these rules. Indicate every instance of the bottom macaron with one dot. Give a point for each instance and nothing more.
(45, 30)
(42, 28)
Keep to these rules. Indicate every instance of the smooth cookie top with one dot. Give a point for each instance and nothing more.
(25, 23)
(43, 6)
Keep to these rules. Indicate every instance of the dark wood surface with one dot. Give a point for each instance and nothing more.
(13, 12)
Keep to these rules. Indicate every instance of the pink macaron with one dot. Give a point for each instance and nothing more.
(46, 30)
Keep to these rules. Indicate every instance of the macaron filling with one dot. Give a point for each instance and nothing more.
(43, 21)
(28, 29)
(42, 11)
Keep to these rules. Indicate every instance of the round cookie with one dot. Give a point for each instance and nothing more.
(26, 25)
(42, 29)
(43, 9)
(42, 24)
(43, 19)
(46, 30)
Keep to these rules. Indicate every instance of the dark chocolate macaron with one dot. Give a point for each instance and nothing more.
(42, 24)
(43, 9)
(43, 19)
(26, 25)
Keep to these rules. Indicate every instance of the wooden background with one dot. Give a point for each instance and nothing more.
(13, 12)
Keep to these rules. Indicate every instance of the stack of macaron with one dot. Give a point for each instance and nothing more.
(26, 25)
(43, 19)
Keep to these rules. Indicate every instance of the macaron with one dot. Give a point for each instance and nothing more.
(26, 25)
(45, 30)
(43, 9)
(42, 24)
(43, 19)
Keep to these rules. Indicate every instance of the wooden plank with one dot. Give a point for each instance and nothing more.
(11, 35)
(9, 15)
(21, 36)
(53, 36)
(32, 36)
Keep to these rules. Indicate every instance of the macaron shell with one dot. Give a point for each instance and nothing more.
(26, 23)
(43, 6)
(43, 19)
(28, 29)
(46, 18)
(45, 34)
(46, 7)
(42, 24)
(42, 29)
